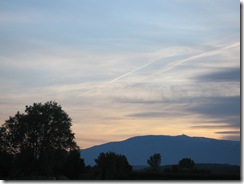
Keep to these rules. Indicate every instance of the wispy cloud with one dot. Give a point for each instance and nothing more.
(161, 57)
(120, 67)
(223, 75)
(228, 132)
(205, 54)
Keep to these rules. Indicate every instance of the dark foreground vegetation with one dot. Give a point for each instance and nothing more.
(39, 145)
(198, 172)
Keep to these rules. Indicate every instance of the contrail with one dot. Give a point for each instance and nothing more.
(169, 67)
(133, 71)
(209, 53)
(120, 77)
(166, 68)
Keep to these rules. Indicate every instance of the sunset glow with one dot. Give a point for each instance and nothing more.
(123, 68)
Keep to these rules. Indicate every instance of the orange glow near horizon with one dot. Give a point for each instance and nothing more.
(125, 68)
(104, 133)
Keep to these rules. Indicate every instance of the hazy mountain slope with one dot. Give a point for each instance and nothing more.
(172, 149)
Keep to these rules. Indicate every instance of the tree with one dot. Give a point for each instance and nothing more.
(113, 166)
(154, 162)
(186, 164)
(5, 164)
(74, 165)
(37, 134)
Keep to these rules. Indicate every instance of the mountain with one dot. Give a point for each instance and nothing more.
(172, 149)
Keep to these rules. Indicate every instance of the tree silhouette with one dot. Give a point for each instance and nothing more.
(6, 161)
(74, 165)
(154, 162)
(186, 164)
(113, 166)
(37, 136)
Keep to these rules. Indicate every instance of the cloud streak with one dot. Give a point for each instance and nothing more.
(165, 68)
(133, 71)
(226, 75)
(205, 54)
(228, 132)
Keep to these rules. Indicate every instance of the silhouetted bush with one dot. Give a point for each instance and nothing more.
(112, 166)
(186, 164)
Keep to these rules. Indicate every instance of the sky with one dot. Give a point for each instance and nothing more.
(123, 68)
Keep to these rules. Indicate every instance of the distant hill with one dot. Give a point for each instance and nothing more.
(172, 149)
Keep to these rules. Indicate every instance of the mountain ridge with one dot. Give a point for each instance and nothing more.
(172, 148)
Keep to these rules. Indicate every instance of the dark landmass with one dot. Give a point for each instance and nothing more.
(172, 149)
(170, 172)
(210, 168)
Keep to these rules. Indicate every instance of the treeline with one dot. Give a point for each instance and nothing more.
(109, 166)
(39, 144)
(50, 165)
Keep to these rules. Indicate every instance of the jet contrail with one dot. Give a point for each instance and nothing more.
(166, 68)
(122, 76)
(169, 67)
(209, 53)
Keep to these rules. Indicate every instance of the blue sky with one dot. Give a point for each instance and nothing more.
(125, 68)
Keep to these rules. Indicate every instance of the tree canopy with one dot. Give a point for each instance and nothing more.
(37, 137)
(113, 166)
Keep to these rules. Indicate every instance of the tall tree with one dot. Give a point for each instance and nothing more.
(37, 134)
(154, 162)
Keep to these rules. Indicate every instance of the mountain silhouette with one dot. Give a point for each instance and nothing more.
(172, 149)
